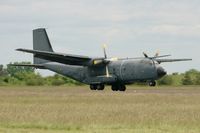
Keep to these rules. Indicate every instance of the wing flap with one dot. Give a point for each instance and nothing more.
(58, 57)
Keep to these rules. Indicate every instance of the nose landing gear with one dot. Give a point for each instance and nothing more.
(152, 83)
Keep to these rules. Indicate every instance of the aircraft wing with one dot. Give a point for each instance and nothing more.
(58, 57)
(171, 60)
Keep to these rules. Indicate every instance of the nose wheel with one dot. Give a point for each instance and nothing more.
(152, 83)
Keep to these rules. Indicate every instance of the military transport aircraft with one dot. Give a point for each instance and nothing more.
(96, 72)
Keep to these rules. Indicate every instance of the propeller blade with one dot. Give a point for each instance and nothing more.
(107, 72)
(145, 55)
(157, 54)
(104, 50)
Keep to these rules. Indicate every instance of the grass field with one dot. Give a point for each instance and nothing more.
(79, 110)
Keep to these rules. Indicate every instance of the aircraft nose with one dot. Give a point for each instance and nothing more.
(161, 72)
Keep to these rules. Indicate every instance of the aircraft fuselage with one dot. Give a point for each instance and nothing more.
(122, 71)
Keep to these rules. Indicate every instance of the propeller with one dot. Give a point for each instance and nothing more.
(157, 55)
(106, 59)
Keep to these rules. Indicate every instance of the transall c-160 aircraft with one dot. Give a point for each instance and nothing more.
(96, 72)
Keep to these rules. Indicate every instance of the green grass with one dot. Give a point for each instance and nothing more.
(77, 109)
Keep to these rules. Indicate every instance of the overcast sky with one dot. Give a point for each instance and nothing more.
(129, 27)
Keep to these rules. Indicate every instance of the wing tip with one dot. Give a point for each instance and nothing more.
(19, 49)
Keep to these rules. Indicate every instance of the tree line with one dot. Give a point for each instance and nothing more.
(18, 75)
(14, 75)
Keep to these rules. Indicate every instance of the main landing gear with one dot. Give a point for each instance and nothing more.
(118, 87)
(97, 87)
(115, 87)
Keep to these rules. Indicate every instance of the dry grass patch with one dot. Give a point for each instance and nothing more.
(77, 109)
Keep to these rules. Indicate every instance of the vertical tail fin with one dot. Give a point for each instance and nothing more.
(41, 42)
